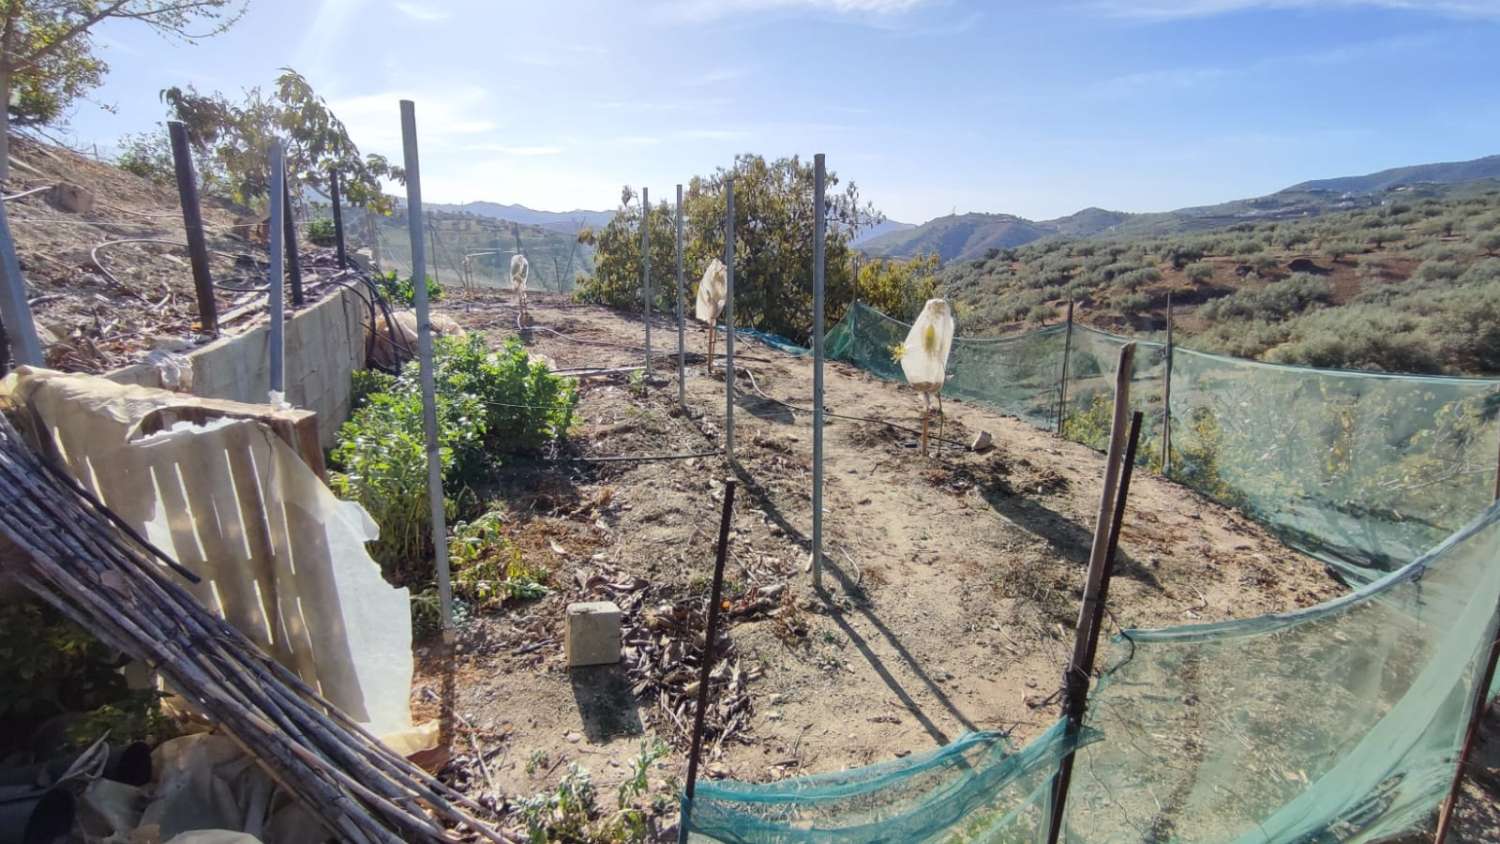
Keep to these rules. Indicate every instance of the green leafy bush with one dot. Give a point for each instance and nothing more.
(397, 289)
(50, 666)
(321, 232)
(488, 569)
(488, 404)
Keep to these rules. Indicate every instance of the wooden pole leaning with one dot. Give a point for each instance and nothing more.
(289, 225)
(710, 635)
(192, 223)
(1062, 384)
(1477, 709)
(338, 217)
(1124, 434)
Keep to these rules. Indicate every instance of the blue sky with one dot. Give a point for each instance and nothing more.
(1024, 106)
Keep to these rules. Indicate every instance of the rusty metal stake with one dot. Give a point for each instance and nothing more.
(710, 634)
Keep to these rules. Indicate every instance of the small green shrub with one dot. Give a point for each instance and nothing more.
(321, 232)
(488, 404)
(1200, 271)
(397, 289)
(488, 568)
(50, 666)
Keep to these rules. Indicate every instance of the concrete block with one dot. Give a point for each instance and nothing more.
(593, 634)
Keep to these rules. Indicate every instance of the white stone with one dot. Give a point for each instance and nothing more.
(593, 634)
(983, 442)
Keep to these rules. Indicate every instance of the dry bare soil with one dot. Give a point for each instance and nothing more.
(951, 586)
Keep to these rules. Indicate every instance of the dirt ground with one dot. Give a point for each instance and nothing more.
(107, 286)
(952, 581)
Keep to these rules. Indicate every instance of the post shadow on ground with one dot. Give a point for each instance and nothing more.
(605, 702)
(763, 500)
(1067, 538)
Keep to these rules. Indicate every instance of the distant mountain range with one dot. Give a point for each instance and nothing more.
(964, 236)
(567, 222)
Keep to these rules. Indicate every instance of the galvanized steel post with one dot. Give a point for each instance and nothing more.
(274, 290)
(15, 311)
(646, 275)
(729, 319)
(681, 367)
(424, 356)
(820, 225)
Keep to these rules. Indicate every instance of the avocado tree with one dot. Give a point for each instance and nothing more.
(47, 54)
(233, 140)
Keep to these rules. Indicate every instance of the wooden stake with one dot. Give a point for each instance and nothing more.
(192, 222)
(289, 223)
(1101, 565)
(338, 218)
(1062, 384)
(1477, 709)
(710, 633)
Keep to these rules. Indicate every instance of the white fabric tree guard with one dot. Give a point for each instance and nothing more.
(713, 289)
(519, 271)
(924, 356)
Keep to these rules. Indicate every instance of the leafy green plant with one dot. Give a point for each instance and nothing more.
(403, 290)
(321, 232)
(49, 666)
(488, 404)
(488, 569)
(563, 813)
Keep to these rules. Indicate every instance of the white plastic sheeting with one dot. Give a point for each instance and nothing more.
(713, 289)
(280, 557)
(924, 355)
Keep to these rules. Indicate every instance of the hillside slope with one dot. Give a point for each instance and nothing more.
(567, 222)
(1307, 199)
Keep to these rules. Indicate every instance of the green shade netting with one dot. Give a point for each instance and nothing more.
(974, 789)
(1364, 470)
(1338, 723)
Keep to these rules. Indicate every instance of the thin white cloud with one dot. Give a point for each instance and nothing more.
(518, 151)
(420, 11)
(1167, 10)
(712, 134)
(706, 10)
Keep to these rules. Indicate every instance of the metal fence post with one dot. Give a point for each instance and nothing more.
(681, 367)
(15, 311)
(424, 354)
(192, 221)
(274, 290)
(293, 261)
(820, 226)
(646, 275)
(338, 217)
(729, 319)
(1166, 401)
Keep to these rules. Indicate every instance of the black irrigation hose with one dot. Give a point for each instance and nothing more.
(644, 458)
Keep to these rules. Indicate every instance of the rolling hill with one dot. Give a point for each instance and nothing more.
(567, 222)
(970, 236)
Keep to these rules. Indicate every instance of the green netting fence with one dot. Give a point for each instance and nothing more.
(1342, 722)
(1338, 723)
(1364, 470)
